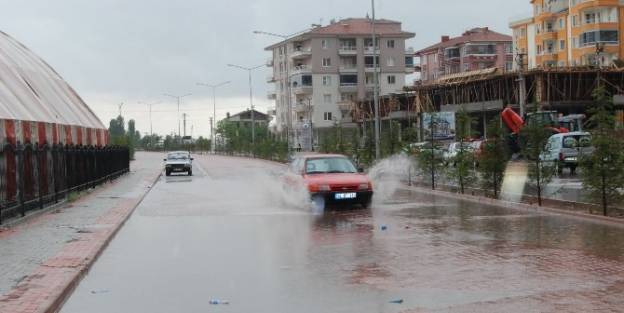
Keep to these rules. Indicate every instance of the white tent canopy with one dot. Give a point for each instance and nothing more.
(30, 90)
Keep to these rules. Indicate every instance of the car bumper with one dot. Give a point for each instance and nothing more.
(178, 168)
(331, 198)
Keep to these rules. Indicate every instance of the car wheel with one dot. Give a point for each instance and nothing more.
(190, 173)
(168, 173)
(572, 170)
(559, 168)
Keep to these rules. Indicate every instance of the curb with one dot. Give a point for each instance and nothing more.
(521, 206)
(54, 305)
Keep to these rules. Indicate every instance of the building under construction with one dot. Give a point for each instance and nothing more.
(485, 93)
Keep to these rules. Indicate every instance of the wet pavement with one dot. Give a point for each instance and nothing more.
(230, 233)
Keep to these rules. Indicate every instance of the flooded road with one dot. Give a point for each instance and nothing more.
(231, 233)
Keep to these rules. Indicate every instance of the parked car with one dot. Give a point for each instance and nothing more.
(333, 179)
(565, 150)
(453, 150)
(178, 162)
(417, 148)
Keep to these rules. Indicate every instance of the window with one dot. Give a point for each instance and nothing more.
(509, 48)
(327, 81)
(509, 66)
(348, 80)
(562, 45)
(347, 97)
(327, 99)
(592, 37)
(423, 60)
(575, 20)
(325, 44)
(391, 80)
(326, 62)
(390, 44)
(561, 24)
(390, 61)
(327, 116)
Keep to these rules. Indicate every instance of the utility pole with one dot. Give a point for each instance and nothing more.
(184, 121)
(150, 118)
(214, 106)
(253, 119)
(214, 145)
(376, 87)
(521, 83)
(178, 98)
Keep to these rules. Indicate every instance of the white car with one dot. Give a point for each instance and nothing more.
(453, 150)
(179, 162)
(565, 150)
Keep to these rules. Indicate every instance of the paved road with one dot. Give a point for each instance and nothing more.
(230, 233)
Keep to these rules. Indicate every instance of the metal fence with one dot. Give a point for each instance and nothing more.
(33, 176)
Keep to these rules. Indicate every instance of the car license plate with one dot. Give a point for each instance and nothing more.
(345, 196)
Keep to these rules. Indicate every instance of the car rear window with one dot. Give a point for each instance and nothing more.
(576, 141)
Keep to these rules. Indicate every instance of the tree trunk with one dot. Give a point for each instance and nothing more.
(539, 183)
(604, 194)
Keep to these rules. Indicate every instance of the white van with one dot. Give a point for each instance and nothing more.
(566, 150)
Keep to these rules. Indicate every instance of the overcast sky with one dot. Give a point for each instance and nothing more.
(114, 51)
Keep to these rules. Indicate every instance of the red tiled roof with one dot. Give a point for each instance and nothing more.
(473, 35)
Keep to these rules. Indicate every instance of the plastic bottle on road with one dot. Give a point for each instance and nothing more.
(217, 302)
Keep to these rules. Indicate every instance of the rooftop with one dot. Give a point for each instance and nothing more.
(479, 34)
(353, 27)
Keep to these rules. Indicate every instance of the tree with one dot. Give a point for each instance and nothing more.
(463, 163)
(493, 158)
(603, 170)
(535, 136)
(117, 130)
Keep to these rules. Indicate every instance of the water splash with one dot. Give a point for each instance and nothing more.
(389, 174)
(514, 182)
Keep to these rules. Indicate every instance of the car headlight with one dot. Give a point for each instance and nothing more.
(365, 186)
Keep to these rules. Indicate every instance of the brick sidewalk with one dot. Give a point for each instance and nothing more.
(44, 257)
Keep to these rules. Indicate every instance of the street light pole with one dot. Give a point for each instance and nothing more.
(179, 125)
(214, 110)
(150, 119)
(288, 90)
(376, 86)
(253, 120)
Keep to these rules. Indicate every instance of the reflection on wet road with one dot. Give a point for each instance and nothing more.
(230, 233)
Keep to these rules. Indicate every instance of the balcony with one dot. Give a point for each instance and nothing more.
(269, 62)
(370, 68)
(302, 89)
(409, 51)
(301, 53)
(303, 107)
(302, 69)
(345, 106)
(271, 79)
(409, 69)
(347, 50)
(348, 87)
(272, 95)
(370, 50)
(348, 69)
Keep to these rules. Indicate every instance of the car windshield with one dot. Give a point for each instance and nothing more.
(178, 156)
(329, 165)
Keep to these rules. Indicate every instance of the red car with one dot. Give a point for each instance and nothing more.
(333, 179)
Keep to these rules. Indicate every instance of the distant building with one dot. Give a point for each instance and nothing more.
(244, 119)
(476, 49)
(565, 33)
(332, 66)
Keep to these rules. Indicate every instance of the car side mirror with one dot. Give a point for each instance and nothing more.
(165, 160)
(360, 170)
(192, 159)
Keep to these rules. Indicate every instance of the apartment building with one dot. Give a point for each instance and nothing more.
(567, 33)
(330, 66)
(476, 49)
